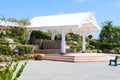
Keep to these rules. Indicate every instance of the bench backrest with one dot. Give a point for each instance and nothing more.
(118, 58)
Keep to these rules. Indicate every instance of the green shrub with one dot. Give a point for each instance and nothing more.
(24, 49)
(99, 51)
(18, 34)
(94, 51)
(3, 40)
(5, 50)
(2, 58)
(38, 35)
(117, 50)
(89, 51)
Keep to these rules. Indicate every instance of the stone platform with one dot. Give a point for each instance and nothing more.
(78, 57)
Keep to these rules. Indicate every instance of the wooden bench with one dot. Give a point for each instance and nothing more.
(116, 60)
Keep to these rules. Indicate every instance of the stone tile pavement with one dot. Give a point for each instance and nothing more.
(56, 70)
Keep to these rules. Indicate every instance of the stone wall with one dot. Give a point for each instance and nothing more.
(50, 47)
(51, 44)
(48, 44)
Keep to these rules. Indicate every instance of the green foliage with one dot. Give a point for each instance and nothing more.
(5, 50)
(107, 32)
(5, 57)
(39, 35)
(3, 40)
(8, 72)
(20, 71)
(58, 37)
(74, 41)
(110, 33)
(110, 38)
(18, 34)
(21, 22)
(2, 58)
(24, 49)
(91, 43)
(2, 33)
(2, 17)
(116, 36)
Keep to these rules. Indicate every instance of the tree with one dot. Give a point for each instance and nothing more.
(110, 33)
(116, 31)
(2, 20)
(21, 22)
(13, 20)
(24, 22)
(107, 32)
(110, 37)
(37, 34)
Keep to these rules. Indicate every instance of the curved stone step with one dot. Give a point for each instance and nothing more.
(77, 57)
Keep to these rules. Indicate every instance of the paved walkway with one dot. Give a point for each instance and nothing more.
(55, 70)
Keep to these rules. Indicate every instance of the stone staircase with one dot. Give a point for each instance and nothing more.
(58, 57)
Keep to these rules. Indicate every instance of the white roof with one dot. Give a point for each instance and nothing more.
(71, 22)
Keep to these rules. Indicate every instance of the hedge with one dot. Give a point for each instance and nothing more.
(5, 50)
(24, 49)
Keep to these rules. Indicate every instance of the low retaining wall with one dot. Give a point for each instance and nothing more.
(48, 44)
(51, 44)
(52, 51)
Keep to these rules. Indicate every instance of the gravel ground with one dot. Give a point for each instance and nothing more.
(56, 70)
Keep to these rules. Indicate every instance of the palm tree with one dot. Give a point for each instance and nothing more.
(13, 20)
(2, 20)
(21, 22)
(24, 22)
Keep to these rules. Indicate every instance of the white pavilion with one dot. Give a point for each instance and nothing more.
(81, 23)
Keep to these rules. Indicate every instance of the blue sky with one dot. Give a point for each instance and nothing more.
(102, 9)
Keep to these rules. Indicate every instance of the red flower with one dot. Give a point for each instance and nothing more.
(71, 33)
(90, 36)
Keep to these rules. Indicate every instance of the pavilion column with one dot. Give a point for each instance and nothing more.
(63, 43)
(52, 36)
(83, 42)
(29, 33)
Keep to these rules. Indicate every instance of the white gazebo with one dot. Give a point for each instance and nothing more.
(81, 23)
